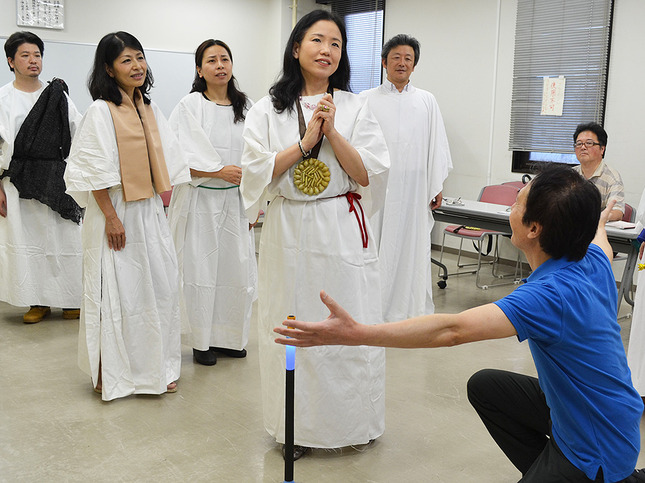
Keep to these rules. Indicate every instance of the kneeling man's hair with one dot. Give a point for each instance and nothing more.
(567, 206)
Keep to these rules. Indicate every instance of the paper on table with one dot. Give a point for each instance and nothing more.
(620, 224)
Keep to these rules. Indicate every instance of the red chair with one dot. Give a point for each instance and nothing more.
(504, 195)
(517, 184)
(628, 216)
(629, 213)
(165, 198)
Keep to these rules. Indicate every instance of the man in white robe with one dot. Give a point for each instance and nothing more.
(420, 162)
(40, 252)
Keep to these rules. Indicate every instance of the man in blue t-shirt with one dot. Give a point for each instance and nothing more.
(580, 420)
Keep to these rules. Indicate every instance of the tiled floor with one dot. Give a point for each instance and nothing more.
(53, 427)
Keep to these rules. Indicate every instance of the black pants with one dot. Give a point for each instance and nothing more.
(514, 410)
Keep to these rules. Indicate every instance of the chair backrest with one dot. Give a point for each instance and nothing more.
(165, 197)
(500, 194)
(517, 184)
(629, 213)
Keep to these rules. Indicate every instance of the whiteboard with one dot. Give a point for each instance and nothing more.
(173, 72)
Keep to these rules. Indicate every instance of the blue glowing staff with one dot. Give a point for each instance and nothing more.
(288, 410)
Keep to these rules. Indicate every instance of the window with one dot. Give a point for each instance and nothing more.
(364, 23)
(554, 38)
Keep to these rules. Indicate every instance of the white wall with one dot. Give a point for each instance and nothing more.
(625, 100)
(467, 62)
(252, 28)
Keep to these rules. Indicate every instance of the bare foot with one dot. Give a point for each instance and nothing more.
(99, 384)
(172, 387)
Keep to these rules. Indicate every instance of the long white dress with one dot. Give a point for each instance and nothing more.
(420, 156)
(215, 248)
(130, 320)
(309, 243)
(40, 252)
(636, 347)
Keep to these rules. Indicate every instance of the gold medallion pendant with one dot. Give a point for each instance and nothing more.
(311, 176)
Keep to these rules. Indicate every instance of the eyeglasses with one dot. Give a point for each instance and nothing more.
(588, 143)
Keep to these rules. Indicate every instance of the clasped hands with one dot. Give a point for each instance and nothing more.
(321, 123)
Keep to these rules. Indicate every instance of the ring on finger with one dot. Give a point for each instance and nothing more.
(324, 108)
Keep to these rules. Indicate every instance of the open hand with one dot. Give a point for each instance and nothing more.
(337, 329)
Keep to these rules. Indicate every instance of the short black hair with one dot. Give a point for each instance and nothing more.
(567, 207)
(16, 39)
(100, 84)
(595, 128)
(402, 39)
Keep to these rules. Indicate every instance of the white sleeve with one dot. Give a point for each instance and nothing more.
(93, 161)
(258, 159)
(178, 170)
(198, 150)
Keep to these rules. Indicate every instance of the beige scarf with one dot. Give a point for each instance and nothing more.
(140, 151)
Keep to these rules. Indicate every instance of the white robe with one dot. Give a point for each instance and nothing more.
(309, 243)
(130, 320)
(40, 252)
(420, 162)
(215, 248)
(636, 347)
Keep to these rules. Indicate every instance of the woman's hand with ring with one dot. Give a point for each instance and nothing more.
(327, 114)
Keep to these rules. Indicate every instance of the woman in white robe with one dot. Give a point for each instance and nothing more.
(636, 347)
(214, 242)
(129, 335)
(317, 241)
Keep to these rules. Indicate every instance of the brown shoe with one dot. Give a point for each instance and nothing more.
(36, 314)
(71, 313)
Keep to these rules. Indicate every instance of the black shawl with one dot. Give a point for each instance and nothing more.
(40, 149)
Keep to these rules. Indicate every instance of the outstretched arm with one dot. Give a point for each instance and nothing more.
(601, 233)
(438, 330)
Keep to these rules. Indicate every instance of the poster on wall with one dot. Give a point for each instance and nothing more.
(553, 96)
(49, 14)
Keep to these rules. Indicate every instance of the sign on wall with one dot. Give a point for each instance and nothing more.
(553, 96)
(48, 14)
